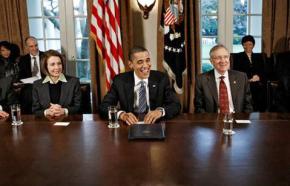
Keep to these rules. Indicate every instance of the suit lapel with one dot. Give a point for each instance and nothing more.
(246, 58)
(45, 95)
(28, 66)
(152, 86)
(212, 86)
(64, 92)
(234, 86)
(129, 89)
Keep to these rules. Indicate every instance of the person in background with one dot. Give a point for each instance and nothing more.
(29, 66)
(253, 65)
(222, 90)
(141, 91)
(8, 75)
(8, 65)
(56, 94)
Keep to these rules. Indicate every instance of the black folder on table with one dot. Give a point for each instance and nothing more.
(147, 131)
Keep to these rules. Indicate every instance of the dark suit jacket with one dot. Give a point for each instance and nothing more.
(242, 63)
(70, 97)
(7, 94)
(25, 66)
(160, 94)
(25, 97)
(206, 95)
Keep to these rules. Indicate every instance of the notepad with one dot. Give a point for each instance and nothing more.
(61, 123)
(29, 80)
(241, 121)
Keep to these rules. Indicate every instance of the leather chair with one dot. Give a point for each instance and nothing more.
(278, 67)
(86, 107)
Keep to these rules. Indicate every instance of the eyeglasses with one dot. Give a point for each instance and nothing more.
(219, 58)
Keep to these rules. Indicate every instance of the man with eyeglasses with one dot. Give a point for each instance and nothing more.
(222, 90)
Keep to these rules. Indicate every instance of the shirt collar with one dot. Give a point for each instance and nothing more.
(48, 79)
(31, 56)
(137, 79)
(217, 75)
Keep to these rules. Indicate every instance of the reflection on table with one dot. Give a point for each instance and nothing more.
(195, 152)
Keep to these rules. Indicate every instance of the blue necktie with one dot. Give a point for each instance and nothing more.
(142, 98)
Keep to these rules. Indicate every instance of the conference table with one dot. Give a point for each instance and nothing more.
(195, 152)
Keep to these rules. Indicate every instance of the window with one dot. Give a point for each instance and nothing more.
(227, 22)
(44, 23)
(247, 20)
(62, 25)
(209, 30)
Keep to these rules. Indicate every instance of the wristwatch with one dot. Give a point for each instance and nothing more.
(162, 111)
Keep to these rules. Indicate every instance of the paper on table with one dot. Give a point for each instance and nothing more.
(61, 123)
(140, 122)
(243, 121)
(29, 80)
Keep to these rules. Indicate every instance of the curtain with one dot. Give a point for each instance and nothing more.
(14, 22)
(98, 80)
(276, 26)
(192, 51)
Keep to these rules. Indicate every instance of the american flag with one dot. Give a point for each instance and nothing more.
(105, 29)
(169, 17)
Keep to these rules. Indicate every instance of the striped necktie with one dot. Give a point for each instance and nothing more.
(35, 68)
(142, 98)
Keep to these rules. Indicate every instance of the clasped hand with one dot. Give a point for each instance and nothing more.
(255, 78)
(55, 110)
(150, 117)
(3, 114)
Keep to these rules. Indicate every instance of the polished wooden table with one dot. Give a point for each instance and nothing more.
(195, 152)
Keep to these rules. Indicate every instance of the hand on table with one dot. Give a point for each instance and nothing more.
(129, 118)
(152, 116)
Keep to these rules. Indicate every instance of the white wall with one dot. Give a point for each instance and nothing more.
(145, 30)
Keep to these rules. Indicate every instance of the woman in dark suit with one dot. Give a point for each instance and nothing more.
(57, 94)
(253, 65)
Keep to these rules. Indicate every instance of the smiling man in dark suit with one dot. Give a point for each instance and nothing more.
(126, 90)
(222, 90)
